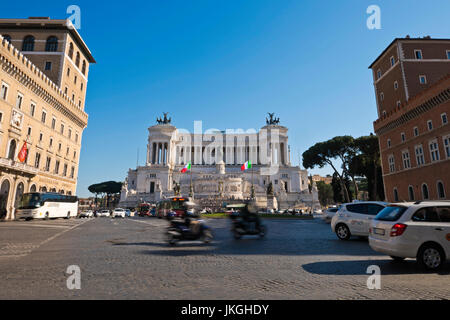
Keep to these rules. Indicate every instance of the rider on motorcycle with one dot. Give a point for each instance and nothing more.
(248, 215)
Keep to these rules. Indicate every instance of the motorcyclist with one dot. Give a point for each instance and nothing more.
(248, 214)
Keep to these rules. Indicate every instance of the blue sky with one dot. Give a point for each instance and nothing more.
(228, 63)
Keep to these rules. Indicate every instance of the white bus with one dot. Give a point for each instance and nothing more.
(46, 205)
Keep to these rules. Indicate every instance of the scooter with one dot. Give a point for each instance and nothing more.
(191, 231)
(252, 226)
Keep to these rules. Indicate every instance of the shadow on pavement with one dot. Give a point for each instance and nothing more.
(359, 267)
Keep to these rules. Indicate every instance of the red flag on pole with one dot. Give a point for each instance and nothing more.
(23, 152)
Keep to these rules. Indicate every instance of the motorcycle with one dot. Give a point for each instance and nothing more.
(188, 230)
(250, 226)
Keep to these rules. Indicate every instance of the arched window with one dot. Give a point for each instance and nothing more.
(52, 190)
(440, 190)
(43, 189)
(425, 194)
(411, 193)
(19, 193)
(69, 193)
(395, 195)
(71, 50)
(83, 68)
(12, 149)
(33, 188)
(52, 44)
(77, 60)
(4, 194)
(28, 43)
(7, 37)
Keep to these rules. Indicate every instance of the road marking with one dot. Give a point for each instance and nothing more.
(37, 225)
(153, 224)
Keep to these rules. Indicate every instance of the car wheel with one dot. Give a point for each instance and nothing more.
(46, 216)
(68, 215)
(343, 232)
(430, 256)
(397, 259)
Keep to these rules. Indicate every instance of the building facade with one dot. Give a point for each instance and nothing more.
(216, 158)
(412, 87)
(43, 78)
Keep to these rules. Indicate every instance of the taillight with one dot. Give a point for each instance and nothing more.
(398, 229)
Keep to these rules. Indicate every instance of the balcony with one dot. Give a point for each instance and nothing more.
(9, 165)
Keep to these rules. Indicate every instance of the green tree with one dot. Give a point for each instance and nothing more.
(325, 193)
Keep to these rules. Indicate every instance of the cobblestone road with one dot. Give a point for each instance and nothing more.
(128, 259)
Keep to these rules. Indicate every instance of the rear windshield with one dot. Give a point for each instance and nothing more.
(392, 213)
(333, 209)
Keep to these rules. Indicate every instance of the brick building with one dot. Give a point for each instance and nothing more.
(412, 87)
(44, 67)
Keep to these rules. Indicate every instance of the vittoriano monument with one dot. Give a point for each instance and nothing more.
(217, 156)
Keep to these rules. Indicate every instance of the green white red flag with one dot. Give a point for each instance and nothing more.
(246, 165)
(186, 168)
(23, 152)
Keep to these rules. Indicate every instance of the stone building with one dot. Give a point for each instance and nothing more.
(43, 78)
(216, 158)
(412, 87)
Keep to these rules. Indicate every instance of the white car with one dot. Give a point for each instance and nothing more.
(329, 214)
(103, 213)
(354, 218)
(418, 230)
(118, 212)
(86, 214)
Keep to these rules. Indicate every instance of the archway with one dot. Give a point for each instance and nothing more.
(19, 192)
(4, 194)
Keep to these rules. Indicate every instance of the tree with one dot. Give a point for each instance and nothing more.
(324, 153)
(325, 193)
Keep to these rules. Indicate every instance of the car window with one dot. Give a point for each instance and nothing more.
(426, 215)
(357, 208)
(443, 213)
(333, 209)
(374, 209)
(391, 213)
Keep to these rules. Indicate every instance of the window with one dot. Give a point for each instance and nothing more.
(62, 128)
(1, 116)
(4, 92)
(395, 195)
(47, 164)
(434, 150)
(443, 213)
(52, 44)
(426, 215)
(65, 91)
(379, 73)
(37, 160)
(430, 125)
(28, 43)
(416, 131)
(53, 123)
(447, 146)
(68, 71)
(75, 80)
(418, 54)
(65, 170)
(403, 137)
(44, 115)
(448, 54)
(77, 60)
(423, 79)
(389, 143)
(71, 50)
(382, 96)
(391, 161)
(70, 133)
(59, 146)
(67, 151)
(440, 190)
(81, 87)
(48, 65)
(51, 143)
(392, 61)
(83, 68)
(406, 160)
(76, 137)
(19, 101)
(41, 136)
(420, 159)
(425, 194)
(395, 85)
(73, 96)
(79, 103)
(29, 131)
(444, 118)
(12, 149)
(72, 172)
(399, 104)
(56, 167)
(411, 193)
(32, 109)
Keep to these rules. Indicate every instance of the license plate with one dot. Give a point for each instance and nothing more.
(378, 231)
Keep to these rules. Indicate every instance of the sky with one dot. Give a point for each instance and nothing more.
(228, 63)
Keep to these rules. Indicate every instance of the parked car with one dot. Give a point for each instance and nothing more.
(86, 214)
(355, 218)
(418, 230)
(103, 213)
(329, 214)
(118, 212)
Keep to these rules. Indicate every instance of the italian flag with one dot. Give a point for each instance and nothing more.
(186, 168)
(246, 165)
